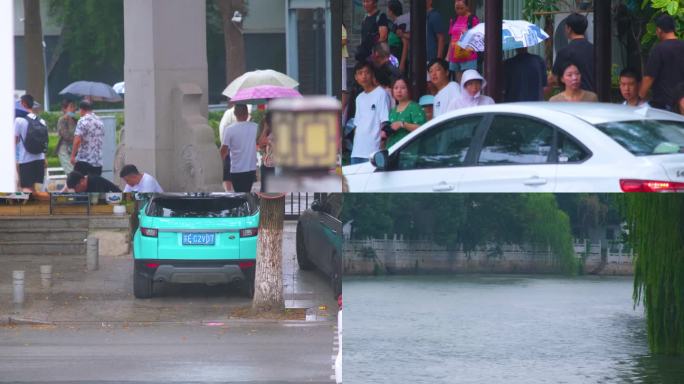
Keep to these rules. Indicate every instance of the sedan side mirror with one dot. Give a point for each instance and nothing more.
(379, 159)
(316, 206)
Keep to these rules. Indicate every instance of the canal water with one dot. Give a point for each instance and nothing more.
(498, 329)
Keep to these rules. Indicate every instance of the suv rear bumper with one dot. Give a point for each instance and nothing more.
(204, 272)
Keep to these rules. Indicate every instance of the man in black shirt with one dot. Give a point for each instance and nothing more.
(374, 29)
(665, 66)
(579, 51)
(525, 77)
(90, 183)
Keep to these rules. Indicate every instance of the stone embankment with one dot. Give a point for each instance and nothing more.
(397, 256)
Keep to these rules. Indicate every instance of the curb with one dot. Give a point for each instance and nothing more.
(10, 321)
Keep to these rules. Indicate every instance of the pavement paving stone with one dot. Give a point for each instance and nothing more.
(106, 295)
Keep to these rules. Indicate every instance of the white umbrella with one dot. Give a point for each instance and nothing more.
(93, 90)
(515, 34)
(257, 78)
(120, 88)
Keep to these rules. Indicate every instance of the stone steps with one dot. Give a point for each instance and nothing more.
(43, 247)
(43, 234)
(32, 223)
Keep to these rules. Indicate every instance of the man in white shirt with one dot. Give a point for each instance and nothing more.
(447, 91)
(372, 110)
(31, 165)
(240, 140)
(139, 182)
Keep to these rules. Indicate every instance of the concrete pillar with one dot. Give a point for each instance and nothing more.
(336, 44)
(46, 276)
(493, 70)
(93, 253)
(602, 49)
(418, 60)
(7, 168)
(18, 285)
(167, 134)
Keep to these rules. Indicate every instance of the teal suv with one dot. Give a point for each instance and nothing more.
(196, 238)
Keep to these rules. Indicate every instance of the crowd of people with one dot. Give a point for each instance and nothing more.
(79, 149)
(378, 106)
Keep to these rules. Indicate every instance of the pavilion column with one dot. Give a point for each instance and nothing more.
(493, 70)
(602, 49)
(418, 54)
(7, 160)
(165, 70)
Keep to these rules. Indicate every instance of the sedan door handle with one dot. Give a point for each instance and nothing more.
(443, 187)
(535, 180)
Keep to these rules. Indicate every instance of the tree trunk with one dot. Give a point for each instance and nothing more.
(33, 43)
(268, 285)
(233, 39)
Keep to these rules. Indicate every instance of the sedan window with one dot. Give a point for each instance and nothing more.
(516, 140)
(443, 146)
(569, 151)
(647, 137)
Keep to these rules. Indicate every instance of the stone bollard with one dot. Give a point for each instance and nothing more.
(46, 276)
(18, 282)
(93, 254)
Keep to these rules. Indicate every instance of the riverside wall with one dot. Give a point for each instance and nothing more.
(398, 256)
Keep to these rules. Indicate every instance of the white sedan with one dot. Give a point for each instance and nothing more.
(533, 147)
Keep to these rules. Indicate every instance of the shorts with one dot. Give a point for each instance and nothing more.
(463, 66)
(226, 168)
(86, 169)
(242, 181)
(31, 173)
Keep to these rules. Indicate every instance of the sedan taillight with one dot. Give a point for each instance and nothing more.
(249, 232)
(149, 232)
(650, 186)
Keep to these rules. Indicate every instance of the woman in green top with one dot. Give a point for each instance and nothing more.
(406, 116)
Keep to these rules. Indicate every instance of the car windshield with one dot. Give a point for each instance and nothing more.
(647, 137)
(200, 207)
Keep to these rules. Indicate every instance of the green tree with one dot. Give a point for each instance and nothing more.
(674, 8)
(656, 224)
(468, 220)
(33, 37)
(92, 36)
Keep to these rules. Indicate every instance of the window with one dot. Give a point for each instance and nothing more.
(569, 151)
(647, 137)
(516, 140)
(443, 146)
(200, 207)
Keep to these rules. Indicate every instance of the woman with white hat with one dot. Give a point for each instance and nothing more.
(472, 84)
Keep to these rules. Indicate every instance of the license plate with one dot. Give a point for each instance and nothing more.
(198, 238)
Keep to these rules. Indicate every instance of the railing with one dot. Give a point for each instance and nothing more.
(296, 203)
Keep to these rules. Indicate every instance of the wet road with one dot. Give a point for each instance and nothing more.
(245, 353)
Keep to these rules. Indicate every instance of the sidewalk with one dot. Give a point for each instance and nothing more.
(106, 295)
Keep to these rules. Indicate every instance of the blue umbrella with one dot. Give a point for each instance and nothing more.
(515, 34)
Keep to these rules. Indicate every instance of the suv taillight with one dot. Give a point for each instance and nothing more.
(149, 232)
(650, 186)
(246, 264)
(249, 232)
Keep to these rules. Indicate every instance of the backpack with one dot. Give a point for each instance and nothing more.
(36, 140)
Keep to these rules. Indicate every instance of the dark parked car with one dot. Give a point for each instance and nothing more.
(319, 238)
